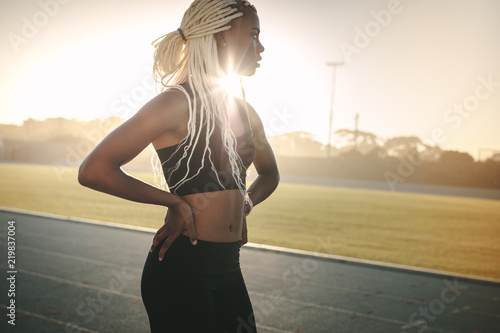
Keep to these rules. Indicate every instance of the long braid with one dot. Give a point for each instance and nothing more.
(190, 55)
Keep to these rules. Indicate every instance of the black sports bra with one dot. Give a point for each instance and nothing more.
(206, 179)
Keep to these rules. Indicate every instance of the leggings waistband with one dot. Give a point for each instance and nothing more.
(205, 257)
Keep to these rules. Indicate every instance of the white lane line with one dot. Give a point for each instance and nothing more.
(332, 309)
(77, 219)
(82, 242)
(366, 262)
(415, 301)
(53, 278)
(309, 282)
(74, 283)
(74, 328)
(76, 258)
(314, 284)
(77, 328)
(271, 248)
(374, 294)
(417, 277)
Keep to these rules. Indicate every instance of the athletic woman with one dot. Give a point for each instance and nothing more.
(205, 141)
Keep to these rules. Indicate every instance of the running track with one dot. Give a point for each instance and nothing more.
(84, 277)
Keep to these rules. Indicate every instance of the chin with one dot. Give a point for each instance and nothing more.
(248, 72)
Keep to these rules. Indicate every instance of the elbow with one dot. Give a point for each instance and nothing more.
(83, 175)
(96, 174)
(277, 178)
(272, 179)
(86, 176)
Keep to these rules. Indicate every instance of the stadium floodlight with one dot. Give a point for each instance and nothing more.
(334, 66)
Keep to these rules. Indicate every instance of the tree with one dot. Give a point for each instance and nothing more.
(363, 142)
(297, 143)
(449, 156)
(411, 146)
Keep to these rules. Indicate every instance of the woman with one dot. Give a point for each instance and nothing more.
(205, 140)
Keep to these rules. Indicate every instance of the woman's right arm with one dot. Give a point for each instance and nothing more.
(101, 170)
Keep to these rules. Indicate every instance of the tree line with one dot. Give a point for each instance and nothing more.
(404, 159)
(354, 154)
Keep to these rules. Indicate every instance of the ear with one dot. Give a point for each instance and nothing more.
(220, 38)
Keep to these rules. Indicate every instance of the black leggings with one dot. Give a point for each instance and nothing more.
(197, 289)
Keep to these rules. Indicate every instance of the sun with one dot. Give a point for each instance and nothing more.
(231, 83)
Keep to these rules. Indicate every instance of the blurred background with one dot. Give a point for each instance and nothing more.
(384, 117)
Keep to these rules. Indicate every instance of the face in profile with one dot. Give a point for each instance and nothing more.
(239, 48)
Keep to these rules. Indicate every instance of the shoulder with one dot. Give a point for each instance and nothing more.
(170, 108)
(172, 101)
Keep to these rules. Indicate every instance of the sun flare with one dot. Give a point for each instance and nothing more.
(231, 84)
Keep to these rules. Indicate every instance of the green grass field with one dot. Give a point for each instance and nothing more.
(439, 232)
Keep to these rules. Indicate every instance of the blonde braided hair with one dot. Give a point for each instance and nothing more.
(189, 54)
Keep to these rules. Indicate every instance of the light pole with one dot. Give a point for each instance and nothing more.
(334, 66)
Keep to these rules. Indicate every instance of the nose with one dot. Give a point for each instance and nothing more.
(261, 48)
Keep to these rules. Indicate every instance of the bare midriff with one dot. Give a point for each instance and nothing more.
(218, 216)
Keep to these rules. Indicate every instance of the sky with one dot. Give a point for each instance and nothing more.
(426, 68)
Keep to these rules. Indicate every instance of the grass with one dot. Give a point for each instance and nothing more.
(455, 234)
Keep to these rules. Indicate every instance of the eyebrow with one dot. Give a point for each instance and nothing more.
(258, 30)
